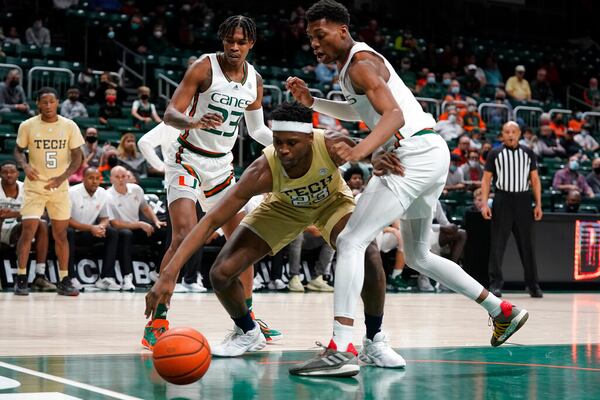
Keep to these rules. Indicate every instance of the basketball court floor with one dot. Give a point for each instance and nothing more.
(52, 347)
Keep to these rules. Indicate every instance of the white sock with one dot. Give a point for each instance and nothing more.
(396, 272)
(342, 335)
(40, 268)
(492, 305)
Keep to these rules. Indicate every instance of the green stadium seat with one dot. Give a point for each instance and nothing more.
(31, 51)
(53, 52)
(152, 182)
(11, 49)
(74, 66)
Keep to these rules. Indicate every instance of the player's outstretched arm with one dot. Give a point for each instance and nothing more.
(255, 120)
(197, 78)
(257, 179)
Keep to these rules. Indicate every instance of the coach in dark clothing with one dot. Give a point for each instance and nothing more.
(512, 167)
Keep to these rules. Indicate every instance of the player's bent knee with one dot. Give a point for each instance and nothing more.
(348, 240)
(219, 279)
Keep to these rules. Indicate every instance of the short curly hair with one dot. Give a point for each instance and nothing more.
(295, 112)
(330, 10)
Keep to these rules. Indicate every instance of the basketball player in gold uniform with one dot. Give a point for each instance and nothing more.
(54, 145)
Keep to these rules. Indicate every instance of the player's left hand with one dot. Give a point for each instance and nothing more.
(538, 213)
(159, 224)
(160, 293)
(54, 183)
(387, 163)
(347, 153)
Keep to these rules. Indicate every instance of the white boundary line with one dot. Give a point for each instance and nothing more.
(69, 382)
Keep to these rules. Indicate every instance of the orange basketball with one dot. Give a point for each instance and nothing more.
(181, 356)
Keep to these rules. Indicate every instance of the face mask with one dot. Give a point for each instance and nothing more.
(158, 34)
(559, 121)
(447, 81)
(37, 25)
(112, 161)
(111, 99)
(579, 116)
(135, 26)
(453, 168)
(405, 66)
(572, 208)
(584, 133)
(87, 79)
(111, 34)
(500, 99)
(573, 165)
(431, 79)
(455, 90)
(485, 154)
(473, 163)
(452, 118)
(13, 84)
(73, 98)
(597, 170)
(144, 97)
(471, 108)
(91, 139)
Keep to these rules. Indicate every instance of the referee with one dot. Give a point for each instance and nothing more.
(512, 166)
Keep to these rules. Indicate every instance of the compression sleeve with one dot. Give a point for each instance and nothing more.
(337, 109)
(257, 128)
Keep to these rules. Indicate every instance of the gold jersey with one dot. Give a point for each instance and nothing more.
(49, 145)
(314, 189)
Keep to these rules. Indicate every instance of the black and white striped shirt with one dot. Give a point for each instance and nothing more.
(511, 167)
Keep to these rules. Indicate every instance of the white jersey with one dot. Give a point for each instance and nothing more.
(226, 97)
(415, 119)
(12, 204)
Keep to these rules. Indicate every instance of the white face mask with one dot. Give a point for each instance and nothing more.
(473, 163)
(158, 34)
(452, 118)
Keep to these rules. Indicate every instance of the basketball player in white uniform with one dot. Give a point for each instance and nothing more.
(376, 94)
(206, 108)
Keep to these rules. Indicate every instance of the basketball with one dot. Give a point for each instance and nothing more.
(181, 356)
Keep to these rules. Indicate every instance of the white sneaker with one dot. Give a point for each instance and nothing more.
(379, 353)
(107, 284)
(257, 284)
(319, 285)
(76, 284)
(238, 342)
(295, 284)
(127, 285)
(425, 284)
(179, 288)
(153, 275)
(277, 284)
(193, 287)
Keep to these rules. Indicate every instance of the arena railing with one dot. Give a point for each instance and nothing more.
(494, 115)
(529, 115)
(277, 90)
(4, 68)
(314, 92)
(332, 93)
(165, 85)
(563, 111)
(60, 79)
(457, 103)
(432, 105)
(136, 59)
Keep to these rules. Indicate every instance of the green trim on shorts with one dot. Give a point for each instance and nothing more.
(425, 132)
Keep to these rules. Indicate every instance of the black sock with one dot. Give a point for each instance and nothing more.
(373, 324)
(245, 323)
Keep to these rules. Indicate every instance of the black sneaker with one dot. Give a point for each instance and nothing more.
(42, 284)
(510, 320)
(21, 288)
(66, 288)
(330, 363)
(496, 292)
(535, 292)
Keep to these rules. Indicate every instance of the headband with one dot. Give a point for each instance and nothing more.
(292, 126)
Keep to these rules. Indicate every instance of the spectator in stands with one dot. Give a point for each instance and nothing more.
(476, 142)
(593, 178)
(549, 145)
(454, 94)
(89, 224)
(558, 125)
(72, 107)
(591, 95)
(13, 36)
(324, 121)
(92, 153)
(431, 88)
(106, 82)
(327, 74)
(484, 151)
(354, 177)
(310, 239)
(370, 35)
(569, 178)
(517, 86)
(586, 140)
(406, 74)
(108, 161)
(540, 88)
(110, 109)
(455, 180)
(462, 149)
(472, 171)
(470, 83)
(576, 122)
(12, 95)
(530, 140)
(12, 195)
(471, 117)
(142, 111)
(85, 84)
(134, 35)
(452, 127)
(131, 158)
(158, 43)
(38, 35)
(572, 202)
(446, 81)
(446, 235)
(569, 144)
(387, 240)
(125, 203)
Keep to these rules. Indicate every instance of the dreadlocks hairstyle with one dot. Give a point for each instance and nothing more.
(295, 112)
(331, 10)
(227, 27)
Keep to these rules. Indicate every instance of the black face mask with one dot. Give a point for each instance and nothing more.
(13, 84)
(112, 161)
(572, 208)
(485, 154)
(91, 139)
(144, 97)
(73, 98)
(597, 170)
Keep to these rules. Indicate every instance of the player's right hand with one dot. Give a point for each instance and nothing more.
(146, 227)
(98, 231)
(160, 293)
(31, 173)
(486, 212)
(299, 90)
(387, 163)
(208, 121)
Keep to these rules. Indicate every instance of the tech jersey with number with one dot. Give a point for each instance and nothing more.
(321, 183)
(415, 119)
(49, 145)
(224, 97)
